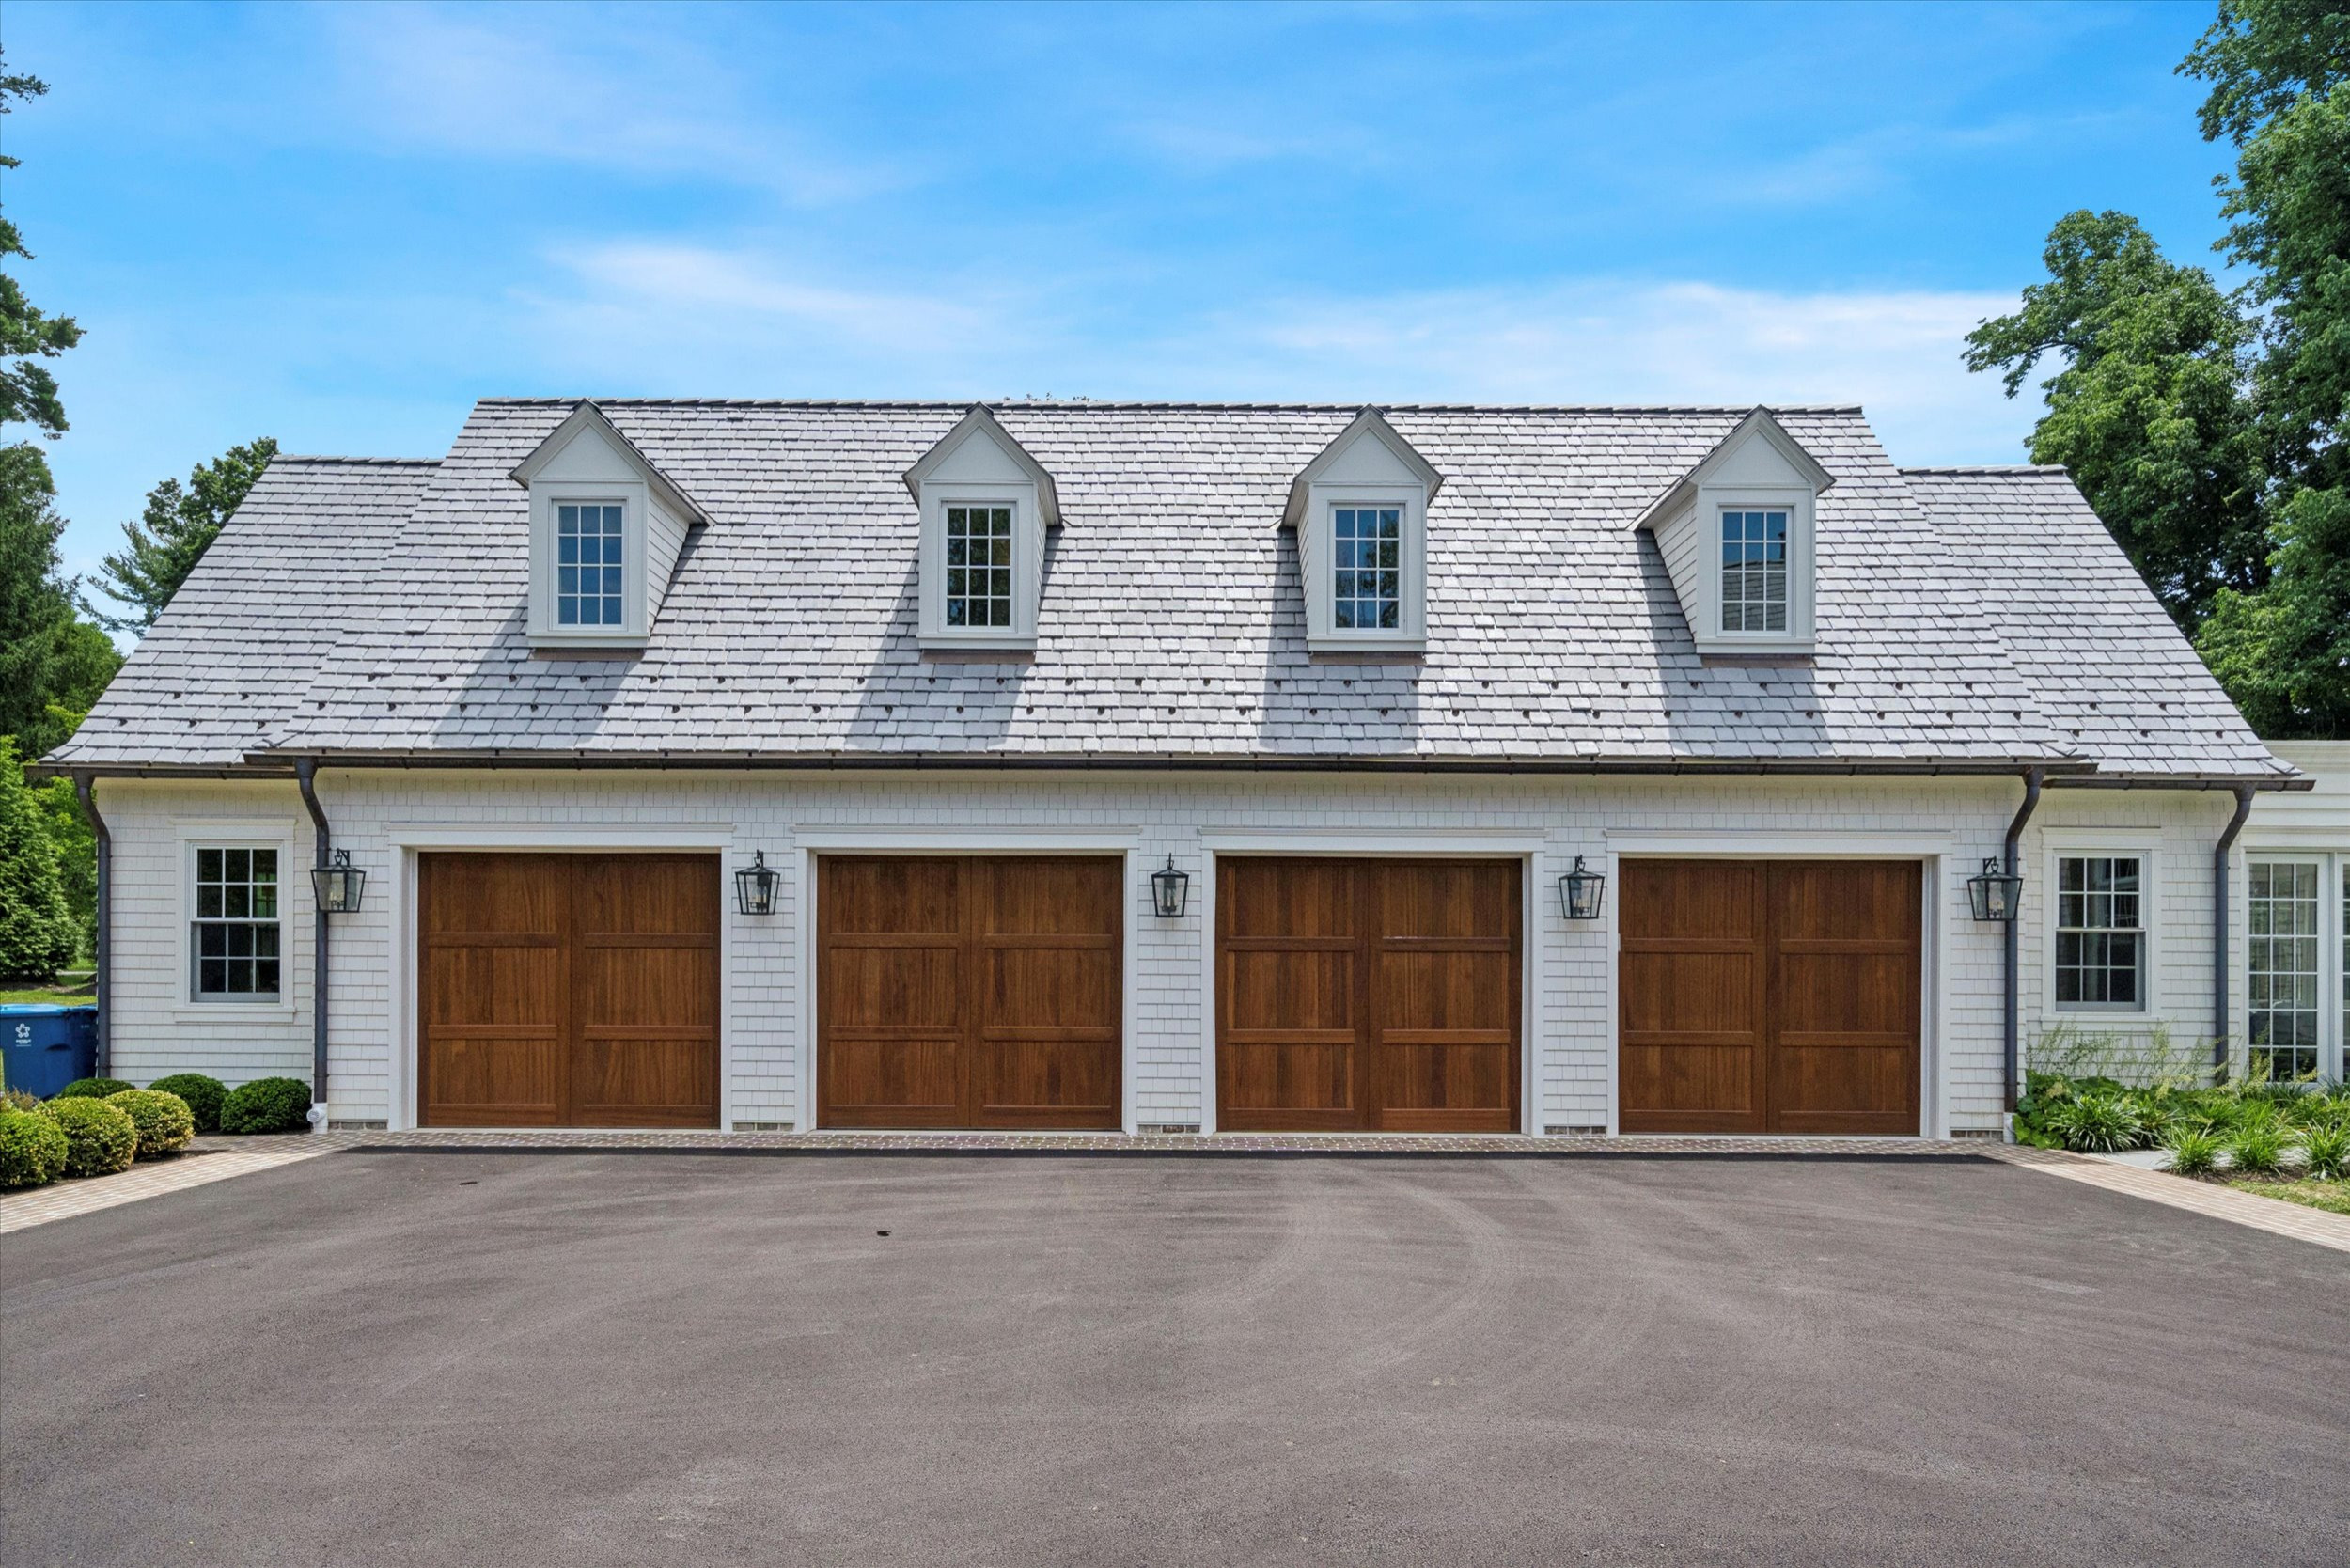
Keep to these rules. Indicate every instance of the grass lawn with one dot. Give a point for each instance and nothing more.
(70, 993)
(2333, 1197)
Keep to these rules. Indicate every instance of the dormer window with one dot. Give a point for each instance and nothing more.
(591, 543)
(1360, 510)
(1736, 534)
(606, 530)
(985, 504)
(1754, 569)
(978, 585)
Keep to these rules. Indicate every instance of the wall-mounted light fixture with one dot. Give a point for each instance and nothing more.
(1170, 891)
(1994, 892)
(1580, 893)
(340, 885)
(754, 886)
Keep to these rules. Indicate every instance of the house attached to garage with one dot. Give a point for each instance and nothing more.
(1232, 767)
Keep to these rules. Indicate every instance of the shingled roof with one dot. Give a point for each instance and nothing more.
(1172, 622)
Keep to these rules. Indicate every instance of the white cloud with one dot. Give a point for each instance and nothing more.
(682, 319)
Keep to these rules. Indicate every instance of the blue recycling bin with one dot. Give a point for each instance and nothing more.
(44, 1046)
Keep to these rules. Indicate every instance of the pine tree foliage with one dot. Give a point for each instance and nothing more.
(180, 524)
(36, 935)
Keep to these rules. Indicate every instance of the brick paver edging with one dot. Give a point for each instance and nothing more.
(2273, 1214)
(208, 1160)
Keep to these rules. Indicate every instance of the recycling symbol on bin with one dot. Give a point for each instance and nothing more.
(24, 1034)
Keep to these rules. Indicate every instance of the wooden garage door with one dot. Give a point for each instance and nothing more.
(569, 991)
(1769, 996)
(970, 991)
(1367, 994)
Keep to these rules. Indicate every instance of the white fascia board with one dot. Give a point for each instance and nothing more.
(587, 417)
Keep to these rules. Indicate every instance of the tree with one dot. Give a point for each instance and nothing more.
(2148, 408)
(37, 934)
(53, 664)
(179, 525)
(28, 393)
(2279, 76)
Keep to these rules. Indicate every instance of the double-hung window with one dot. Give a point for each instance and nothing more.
(1754, 569)
(2101, 934)
(233, 939)
(978, 566)
(1367, 592)
(590, 541)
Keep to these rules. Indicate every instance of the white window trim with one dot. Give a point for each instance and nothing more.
(632, 498)
(1317, 557)
(2149, 1010)
(2333, 1027)
(1027, 566)
(189, 1005)
(1798, 503)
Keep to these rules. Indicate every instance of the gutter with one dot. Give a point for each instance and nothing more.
(84, 789)
(2220, 881)
(306, 774)
(2011, 1039)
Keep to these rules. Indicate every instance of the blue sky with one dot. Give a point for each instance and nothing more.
(339, 226)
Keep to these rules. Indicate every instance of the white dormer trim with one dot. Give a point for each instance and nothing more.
(1757, 467)
(1369, 466)
(977, 464)
(586, 460)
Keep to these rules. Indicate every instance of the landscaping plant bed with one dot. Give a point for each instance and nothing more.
(2332, 1197)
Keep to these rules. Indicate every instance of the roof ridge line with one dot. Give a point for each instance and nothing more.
(372, 461)
(1122, 405)
(1983, 468)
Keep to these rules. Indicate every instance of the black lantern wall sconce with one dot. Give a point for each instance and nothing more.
(1994, 892)
(339, 885)
(755, 885)
(1581, 893)
(1170, 891)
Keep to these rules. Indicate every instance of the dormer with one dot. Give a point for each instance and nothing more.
(606, 529)
(985, 504)
(1360, 509)
(1737, 533)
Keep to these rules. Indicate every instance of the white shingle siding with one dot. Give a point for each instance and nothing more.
(1569, 1025)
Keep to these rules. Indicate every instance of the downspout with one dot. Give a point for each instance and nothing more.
(85, 790)
(2219, 943)
(2011, 1053)
(306, 774)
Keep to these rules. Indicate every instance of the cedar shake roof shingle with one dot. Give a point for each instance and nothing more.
(1172, 622)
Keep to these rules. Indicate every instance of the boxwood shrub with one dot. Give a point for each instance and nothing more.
(32, 1148)
(91, 1088)
(163, 1120)
(267, 1106)
(99, 1140)
(202, 1094)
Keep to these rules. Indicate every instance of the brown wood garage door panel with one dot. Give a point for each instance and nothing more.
(970, 991)
(1367, 994)
(568, 990)
(1769, 996)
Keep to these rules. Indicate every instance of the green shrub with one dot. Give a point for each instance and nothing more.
(32, 1148)
(2257, 1150)
(2328, 1151)
(163, 1120)
(19, 1099)
(2194, 1150)
(202, 1094)
(267, 1106)
(100, 1139)
(2096, 1123)
(92, 1088)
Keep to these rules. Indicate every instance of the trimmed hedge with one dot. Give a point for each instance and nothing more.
(163, 1119)
(267, 1106)
(202, 1094)
(92, 1088)
(32, 1148)
(100, 1139)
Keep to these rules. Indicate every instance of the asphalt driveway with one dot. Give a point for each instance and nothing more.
(481, 1359)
